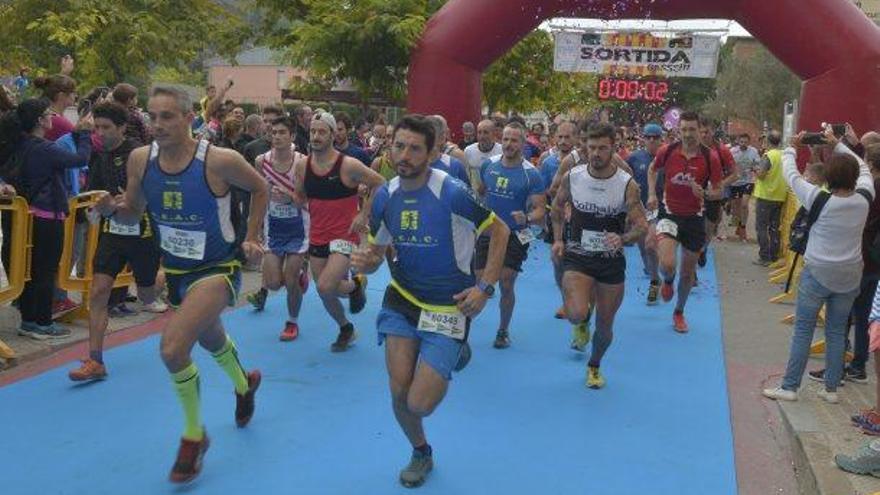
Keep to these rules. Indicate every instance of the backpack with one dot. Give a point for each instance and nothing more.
(800, 230)
(803, 221)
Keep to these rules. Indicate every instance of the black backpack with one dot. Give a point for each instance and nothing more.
(800, 230)
(803, 221)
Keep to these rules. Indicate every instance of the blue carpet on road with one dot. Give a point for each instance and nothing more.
(518, 421)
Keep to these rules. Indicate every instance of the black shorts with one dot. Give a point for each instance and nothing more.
(713, 211)
(741, 190)
(691, 230)
(602, 269)
(324, 251)
(514, 256)
(116, 251)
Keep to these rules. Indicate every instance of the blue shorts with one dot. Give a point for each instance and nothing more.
(439, 351)
(180, 283)
(281, 246)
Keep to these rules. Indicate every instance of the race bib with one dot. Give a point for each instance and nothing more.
(183, 243)
(283, 210)
(593, 241)
(341, 246)
(525, 236)
(452, 325)
(123, 229)
(668, 227)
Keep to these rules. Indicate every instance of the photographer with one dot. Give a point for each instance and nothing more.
(833, 260)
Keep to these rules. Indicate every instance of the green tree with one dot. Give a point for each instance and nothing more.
(115, 41)
(523, 80)
(753, 86)
(367, 42)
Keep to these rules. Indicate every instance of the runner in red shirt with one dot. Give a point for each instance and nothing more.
(329, 180)
(690, 168)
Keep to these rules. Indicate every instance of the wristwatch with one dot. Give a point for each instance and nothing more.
(487, 289)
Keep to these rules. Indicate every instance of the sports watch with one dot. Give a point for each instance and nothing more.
(487, 289)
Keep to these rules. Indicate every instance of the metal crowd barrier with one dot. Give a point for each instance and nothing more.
(67, 278)
(19, 269)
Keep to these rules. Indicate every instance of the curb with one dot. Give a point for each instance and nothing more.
(813, 459)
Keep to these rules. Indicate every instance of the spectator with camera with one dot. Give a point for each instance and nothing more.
(833, 260)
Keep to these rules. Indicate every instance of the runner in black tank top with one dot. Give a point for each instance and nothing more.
(335, 222)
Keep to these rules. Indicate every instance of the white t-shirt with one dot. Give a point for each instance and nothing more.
(476, 157)
(747, 160)
(834, 248)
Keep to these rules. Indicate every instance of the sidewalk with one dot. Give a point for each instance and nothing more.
(810, 431)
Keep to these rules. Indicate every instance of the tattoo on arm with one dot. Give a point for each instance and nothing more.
(557, 213)
(635, 214)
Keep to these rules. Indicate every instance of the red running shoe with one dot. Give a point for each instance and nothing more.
(189, 459)
(244, 404)
(290, 332)
(679, 323)
(666, 292)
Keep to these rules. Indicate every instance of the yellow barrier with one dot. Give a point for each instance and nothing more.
(19, 269)
(66, 279)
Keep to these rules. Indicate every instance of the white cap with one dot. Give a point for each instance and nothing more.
(326, 117)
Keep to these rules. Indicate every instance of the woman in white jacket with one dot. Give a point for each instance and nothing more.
(832, 262)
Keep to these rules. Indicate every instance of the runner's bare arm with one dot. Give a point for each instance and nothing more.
(471, 301)
(367, 260)
(621, 163)
(539, 209)
(234, 170)
(354, 173)
(635, 214)
(557, 212)
(127, 207)
(564, 167)
(652, 186)
(458, 154)
(299, 191)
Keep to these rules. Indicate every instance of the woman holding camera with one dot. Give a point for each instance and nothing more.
(832, 261)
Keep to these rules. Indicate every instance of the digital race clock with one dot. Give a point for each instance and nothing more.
(648, 90)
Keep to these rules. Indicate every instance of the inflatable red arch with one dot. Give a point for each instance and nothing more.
(830, 44)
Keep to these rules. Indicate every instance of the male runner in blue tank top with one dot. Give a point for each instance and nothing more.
(510, 184)
(431, 221)
(184, 186)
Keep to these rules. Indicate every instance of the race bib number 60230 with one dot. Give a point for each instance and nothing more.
(453, 325)
(183, 243)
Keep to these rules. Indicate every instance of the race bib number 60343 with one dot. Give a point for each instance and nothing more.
(453, 325)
